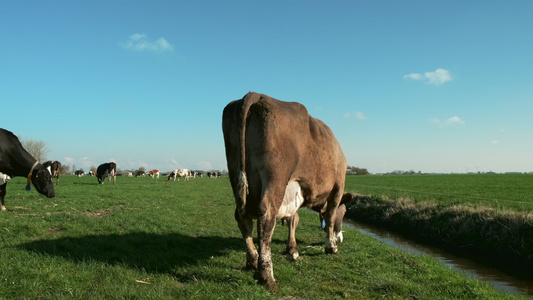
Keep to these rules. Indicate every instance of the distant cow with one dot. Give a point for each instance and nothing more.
(154, 173)
(79, 173)
(16, 161)
(185, 173)
(106, 170)
(139, 173)
(214, 174)
(173, 175)
(280, 159)
(54, 168)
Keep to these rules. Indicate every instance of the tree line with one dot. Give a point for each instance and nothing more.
(351, 170)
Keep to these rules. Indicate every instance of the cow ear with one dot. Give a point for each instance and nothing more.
(346, 198)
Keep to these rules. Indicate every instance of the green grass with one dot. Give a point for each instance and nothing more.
(486, 216)
(145, 238)
(509, 191)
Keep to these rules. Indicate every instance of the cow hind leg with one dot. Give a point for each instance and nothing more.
(292, 247)
(265, 272)
(330, 216)
(2, 196)
(246, 227)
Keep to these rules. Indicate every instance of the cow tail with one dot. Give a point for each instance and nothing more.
(248, 100)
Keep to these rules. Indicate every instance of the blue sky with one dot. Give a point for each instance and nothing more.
(431, 86)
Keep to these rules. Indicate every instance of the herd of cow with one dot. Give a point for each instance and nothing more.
(279, 159)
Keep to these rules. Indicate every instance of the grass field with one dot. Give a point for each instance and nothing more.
(487, 216)
(509, 191)
(145, 238)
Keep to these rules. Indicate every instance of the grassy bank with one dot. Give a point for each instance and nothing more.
(153, 239)
(485, 215)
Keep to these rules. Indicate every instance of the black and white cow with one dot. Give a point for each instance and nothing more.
(16, 161)
(54, 167)
(106, 170)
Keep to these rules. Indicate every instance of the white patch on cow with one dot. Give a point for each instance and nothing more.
(49, 170)
(339, 237)
(4, 178)
(292, 200)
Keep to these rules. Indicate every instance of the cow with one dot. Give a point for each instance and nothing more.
(139, 173)
(106, 170)
(54, 168)
(16, 161)
(185, 173)
(172, 175)
(79, 173)
(154, 173)
(280, 159)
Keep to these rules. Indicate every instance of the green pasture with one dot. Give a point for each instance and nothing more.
(147, 238)
(510, 191)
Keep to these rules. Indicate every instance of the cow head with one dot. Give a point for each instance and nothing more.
(42, 180)
(100, 178)
(339, 216)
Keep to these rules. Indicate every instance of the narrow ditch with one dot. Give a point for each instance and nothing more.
(497, 278)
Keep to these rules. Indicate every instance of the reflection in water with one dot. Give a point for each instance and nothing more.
(496, 278)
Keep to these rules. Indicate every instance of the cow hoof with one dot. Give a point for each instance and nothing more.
(269, 283)
(271, 286)
(332, 251)
(3, 208)
(292, 256)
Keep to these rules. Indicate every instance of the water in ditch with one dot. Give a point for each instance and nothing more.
(498, 279)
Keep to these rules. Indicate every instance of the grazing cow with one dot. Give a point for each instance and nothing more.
(106, 170)
(173, 174)
(183, 173)
(179, 173)
(139, 173)
(16, 161)
(79, 173)
(54, 167)
(214, 174)
(337, 225)
(154, 173)
(279, 159)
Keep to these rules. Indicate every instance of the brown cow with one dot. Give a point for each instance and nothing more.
(154, 173)
(279, 159)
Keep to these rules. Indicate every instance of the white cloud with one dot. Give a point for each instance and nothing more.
(455, 120)
(355, 115)
(414, 76)
(495, 142)
(68, 160)
(140, 42)
(205, 165)
(436, 77)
